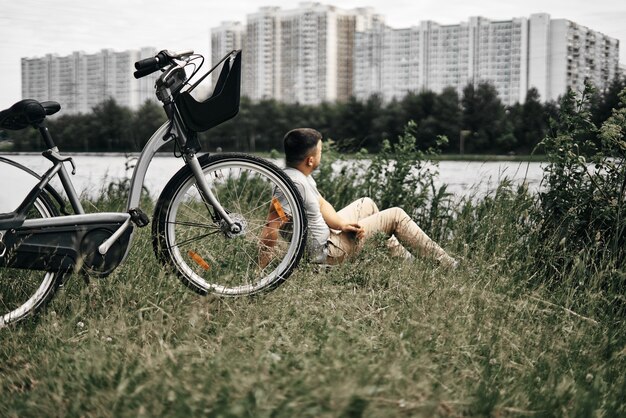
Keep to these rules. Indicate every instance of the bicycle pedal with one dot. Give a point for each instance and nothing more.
(138, 217)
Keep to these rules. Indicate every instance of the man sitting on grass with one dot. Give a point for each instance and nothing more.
(336, 236)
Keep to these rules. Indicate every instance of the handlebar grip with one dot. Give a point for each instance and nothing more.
(145, 71)
(146, 63)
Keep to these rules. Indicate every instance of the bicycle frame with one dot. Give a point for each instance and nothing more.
(41, 242)
(159, 139)
(64, 237)
(79, 225)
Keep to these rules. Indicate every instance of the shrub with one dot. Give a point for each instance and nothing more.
(581, 211)
(399, 175)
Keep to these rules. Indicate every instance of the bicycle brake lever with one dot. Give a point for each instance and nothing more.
(71, 160)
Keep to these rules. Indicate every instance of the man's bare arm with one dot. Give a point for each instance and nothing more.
(335, 221)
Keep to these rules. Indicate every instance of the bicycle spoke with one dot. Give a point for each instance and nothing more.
(196, 238)
(202, 198)
(265, 203)
(197, 212)
(230, 264)
(23, 291)
(193, 224)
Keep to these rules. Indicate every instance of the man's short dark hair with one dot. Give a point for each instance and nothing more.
(299, 143)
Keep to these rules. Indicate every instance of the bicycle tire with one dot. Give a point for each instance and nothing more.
(18, 284)
(212, 260)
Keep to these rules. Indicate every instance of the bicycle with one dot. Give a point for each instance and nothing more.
(209, 223)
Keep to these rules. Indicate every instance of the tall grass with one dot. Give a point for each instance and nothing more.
(512, 332)
(373, 338)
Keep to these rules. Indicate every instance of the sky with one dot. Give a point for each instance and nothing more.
(33, 28)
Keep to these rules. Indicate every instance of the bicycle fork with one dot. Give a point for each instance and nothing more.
(207, 194)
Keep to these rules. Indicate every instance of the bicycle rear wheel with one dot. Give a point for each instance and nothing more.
(189, 236)
(23, 292)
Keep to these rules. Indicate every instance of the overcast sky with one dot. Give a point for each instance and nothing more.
(32, 28)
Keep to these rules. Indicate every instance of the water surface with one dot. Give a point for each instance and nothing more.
(95, 172)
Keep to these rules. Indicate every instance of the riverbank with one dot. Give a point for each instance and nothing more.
(276, 154)
(96, 171)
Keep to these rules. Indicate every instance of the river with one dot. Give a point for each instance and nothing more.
(95, 172)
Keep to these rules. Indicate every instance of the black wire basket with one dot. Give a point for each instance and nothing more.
(222, 105)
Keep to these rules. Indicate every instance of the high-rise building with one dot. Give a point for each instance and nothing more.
(81, 81)
(349, 23)
(261, 55)
(303, 55)
(225, 38)
(308, 40)
(387, 62)
(514, 55)
(498, 54)
(564, 54)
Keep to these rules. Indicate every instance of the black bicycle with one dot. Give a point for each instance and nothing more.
(229, 224)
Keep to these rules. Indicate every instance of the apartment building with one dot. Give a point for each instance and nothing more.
(497, 54)
(563, 54)
(225, 38)
(514, 55)
(262, 54)
(81, 81)
(302, 55)
(315, 53)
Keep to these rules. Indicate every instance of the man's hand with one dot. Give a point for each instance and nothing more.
(355, 229)
(334, 221)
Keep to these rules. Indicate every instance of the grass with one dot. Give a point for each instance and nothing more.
(374, 338)
(531, 324)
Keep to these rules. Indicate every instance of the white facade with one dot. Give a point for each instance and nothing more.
(539, 53)
(303, 55)
(388, 62)
(225, 38)
(308, 70)
(261, 55)
(81, 81)
(514, 55)
(393, 62)
(573, 54)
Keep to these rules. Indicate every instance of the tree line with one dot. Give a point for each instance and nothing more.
(474, 122)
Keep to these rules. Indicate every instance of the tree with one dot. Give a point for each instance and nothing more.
(448, 117)
(73, 132)
(603, 105)
(145, 121)
(354, 126)
(111, 126)
(389, 124)
(484, 116)
(530, 123)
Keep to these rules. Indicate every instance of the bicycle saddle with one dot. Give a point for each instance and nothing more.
(27, 112)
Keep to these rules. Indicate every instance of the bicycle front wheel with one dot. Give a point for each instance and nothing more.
(23, 292)
(208, 257)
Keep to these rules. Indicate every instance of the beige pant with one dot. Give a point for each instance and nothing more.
(403, 233)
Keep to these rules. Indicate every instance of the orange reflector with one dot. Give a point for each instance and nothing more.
(279, 210)
(196, 257)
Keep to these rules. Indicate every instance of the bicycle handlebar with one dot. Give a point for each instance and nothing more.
(164, 58)
(147, 62)
(148, 66)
